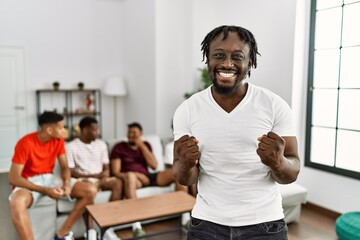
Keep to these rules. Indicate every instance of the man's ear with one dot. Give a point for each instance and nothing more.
(49, 129)
(250, 64)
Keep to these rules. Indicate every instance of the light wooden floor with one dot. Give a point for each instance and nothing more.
(315, 224)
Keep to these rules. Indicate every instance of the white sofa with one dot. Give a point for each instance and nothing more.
(48, 215)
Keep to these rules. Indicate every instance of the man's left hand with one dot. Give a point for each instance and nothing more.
(271, 150)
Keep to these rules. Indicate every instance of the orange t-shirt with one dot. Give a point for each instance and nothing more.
(36, 156)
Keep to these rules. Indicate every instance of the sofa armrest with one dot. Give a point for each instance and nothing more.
(292, 194)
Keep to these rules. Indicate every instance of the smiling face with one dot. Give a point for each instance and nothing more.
(134, 134)
(228, 62)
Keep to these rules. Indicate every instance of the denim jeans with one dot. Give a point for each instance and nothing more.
(204, 230)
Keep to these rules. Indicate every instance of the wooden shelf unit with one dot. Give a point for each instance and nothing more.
(71, 103)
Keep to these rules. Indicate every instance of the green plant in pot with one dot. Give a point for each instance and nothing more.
(56, 85)
(205, 79)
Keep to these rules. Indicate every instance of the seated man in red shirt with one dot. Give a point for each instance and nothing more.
(31, 175)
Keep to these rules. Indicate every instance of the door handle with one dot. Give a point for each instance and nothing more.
(19, 107)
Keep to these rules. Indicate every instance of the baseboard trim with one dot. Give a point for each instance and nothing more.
(322, 210)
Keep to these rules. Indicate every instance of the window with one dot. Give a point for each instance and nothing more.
(333, 106)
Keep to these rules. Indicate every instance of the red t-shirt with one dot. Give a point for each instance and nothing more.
(131, 160)
(36, 156)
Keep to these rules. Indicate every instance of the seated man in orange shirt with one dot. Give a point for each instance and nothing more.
(31, 175)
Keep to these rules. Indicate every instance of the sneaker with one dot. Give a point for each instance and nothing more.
(91, 235)
(69, 236)
(138, 232)
(110, 235)
(187, 225)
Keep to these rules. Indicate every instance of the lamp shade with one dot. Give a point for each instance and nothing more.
(115, 86)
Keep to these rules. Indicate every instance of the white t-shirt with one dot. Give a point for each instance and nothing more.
(234, 187)
(87, 158)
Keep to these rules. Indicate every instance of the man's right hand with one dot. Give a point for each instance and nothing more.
(186, 152)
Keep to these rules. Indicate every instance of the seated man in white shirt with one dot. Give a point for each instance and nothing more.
(88, 159)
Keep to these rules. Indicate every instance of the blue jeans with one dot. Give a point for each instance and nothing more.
(204, 230)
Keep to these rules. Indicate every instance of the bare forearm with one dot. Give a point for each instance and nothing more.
(65, 175)
(288, 171)
(24, 183)
(183, 175)
(149, 156)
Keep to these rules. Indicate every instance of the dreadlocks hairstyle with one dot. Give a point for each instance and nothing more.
(49, 117)
(86, 122)
(243, 33)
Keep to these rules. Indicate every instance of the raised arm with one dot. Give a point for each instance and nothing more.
(149, 156)
(281, 155)
(186, 159)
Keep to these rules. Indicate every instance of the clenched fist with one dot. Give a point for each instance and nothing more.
(271, 150)
(186, 152)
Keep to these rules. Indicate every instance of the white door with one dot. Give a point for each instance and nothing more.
(12, 102)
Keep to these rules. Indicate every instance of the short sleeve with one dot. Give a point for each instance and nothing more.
(104, 153)
(70, 155)
(181, 121)
(21, 153)
(283, 124)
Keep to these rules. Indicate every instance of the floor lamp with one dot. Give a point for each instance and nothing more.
(115, 87)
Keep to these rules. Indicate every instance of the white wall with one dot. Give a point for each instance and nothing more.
(174, 65)
(138, 30)
(328, 190)
(68, 41)
(181, 27)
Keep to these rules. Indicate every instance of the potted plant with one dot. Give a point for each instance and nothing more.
(56, 85)
(81, 85)
(205, 79)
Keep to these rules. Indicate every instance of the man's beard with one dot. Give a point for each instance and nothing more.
(225, 90)
(132, 143)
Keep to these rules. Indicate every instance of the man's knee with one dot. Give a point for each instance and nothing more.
(21, 200)
(86, 190)
(130, 178)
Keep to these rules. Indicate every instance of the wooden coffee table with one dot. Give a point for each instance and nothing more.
(116, 213)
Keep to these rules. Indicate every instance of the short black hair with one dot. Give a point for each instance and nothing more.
(49, 117)
(135, 124)
(243, 33)
(87, 121)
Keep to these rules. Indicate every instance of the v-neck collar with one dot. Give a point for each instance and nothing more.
(240, 104)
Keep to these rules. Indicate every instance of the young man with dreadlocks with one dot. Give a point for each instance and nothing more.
(237, 140)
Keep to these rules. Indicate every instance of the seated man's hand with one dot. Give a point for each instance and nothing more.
(145, 181)
(54, 192)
